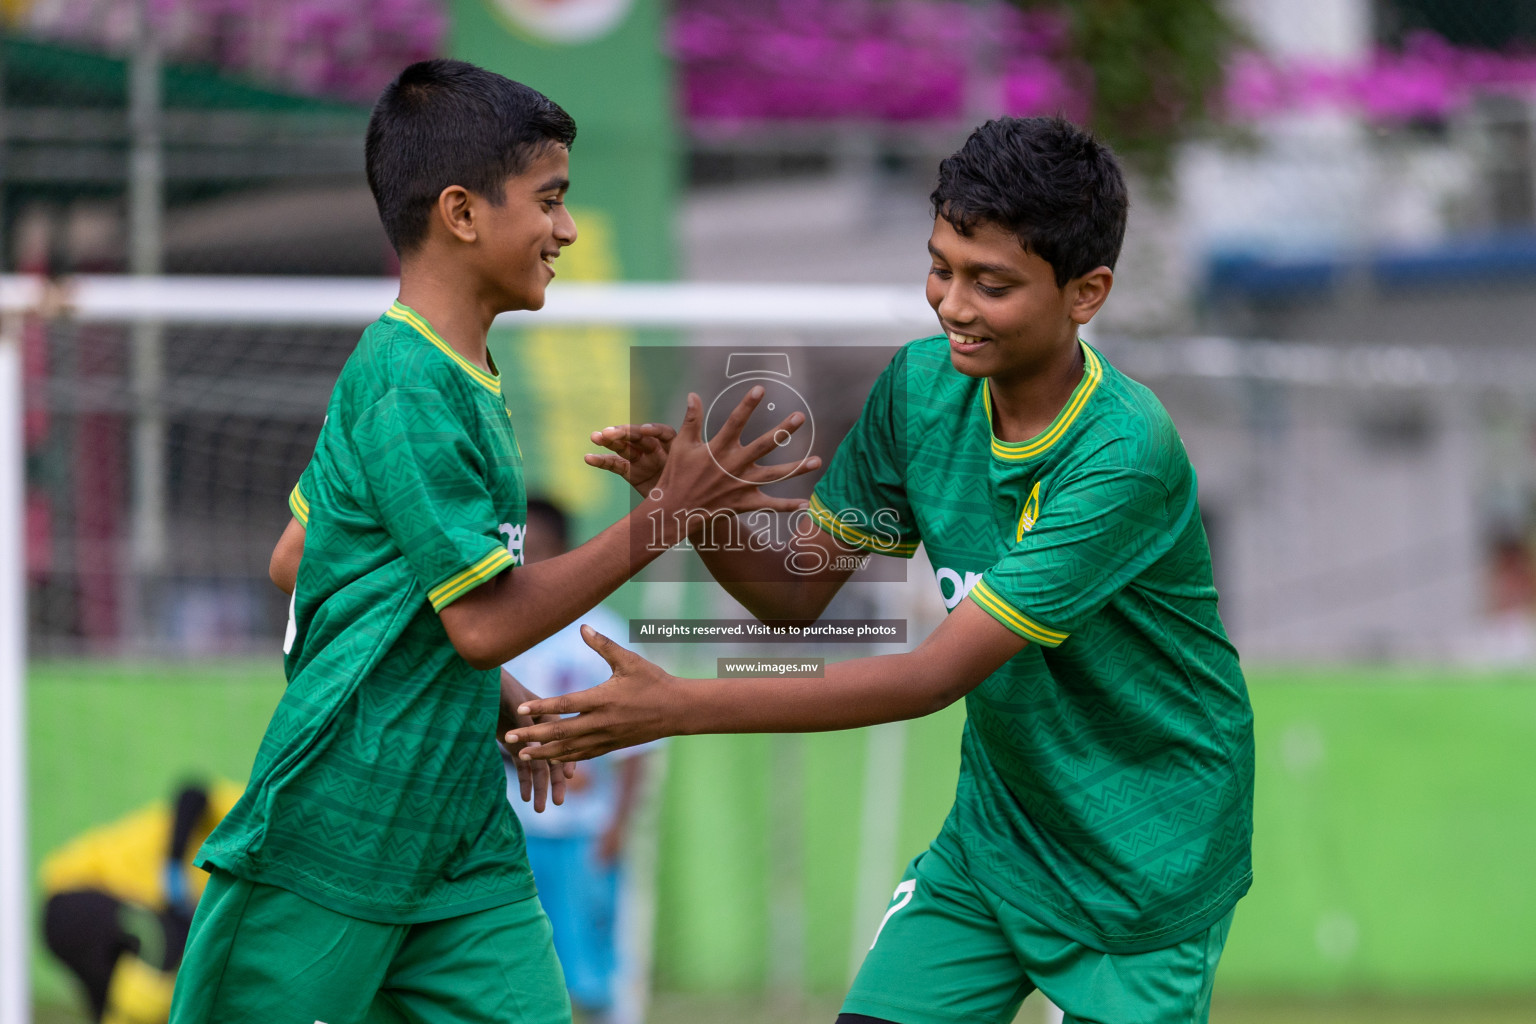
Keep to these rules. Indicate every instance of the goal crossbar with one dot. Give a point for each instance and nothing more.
(341, 301)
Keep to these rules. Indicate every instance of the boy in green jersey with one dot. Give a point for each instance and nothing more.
(1101, 828)
(373, 870)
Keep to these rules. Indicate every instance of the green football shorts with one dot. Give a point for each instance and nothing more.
(950, 950)
(259, 954)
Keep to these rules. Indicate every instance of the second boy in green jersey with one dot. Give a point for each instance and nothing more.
(1101, 828)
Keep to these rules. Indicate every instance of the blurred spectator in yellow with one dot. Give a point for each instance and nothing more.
(119, 900)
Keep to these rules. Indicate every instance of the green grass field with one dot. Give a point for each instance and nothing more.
(671, 1008)
(674, 1009)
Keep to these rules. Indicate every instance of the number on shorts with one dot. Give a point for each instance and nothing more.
(902, 896)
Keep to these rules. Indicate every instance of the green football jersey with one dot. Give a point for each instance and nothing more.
(378, 789)
(1106, 778)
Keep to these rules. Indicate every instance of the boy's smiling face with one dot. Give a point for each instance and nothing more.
(1005, 316)
(525, 233)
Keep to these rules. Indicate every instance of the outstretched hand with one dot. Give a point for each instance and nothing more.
(636, 452)
(637, 704)
(686, 472)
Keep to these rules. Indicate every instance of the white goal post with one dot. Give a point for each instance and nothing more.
(342, 301)
(15, 921)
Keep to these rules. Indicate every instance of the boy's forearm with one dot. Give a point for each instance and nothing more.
(641, 702)
(284, 565)
(762, 583)
(954, 659)
(852, 694)
(505, 617)
(766, 585)
(966, 648)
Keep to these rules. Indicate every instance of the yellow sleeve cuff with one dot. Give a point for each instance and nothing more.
(1014, 619)
(299, 506)
(459, 584)
(855, 537)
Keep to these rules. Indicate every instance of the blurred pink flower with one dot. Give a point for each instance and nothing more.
(894, 60)
(1037, 85)
(1428, 78)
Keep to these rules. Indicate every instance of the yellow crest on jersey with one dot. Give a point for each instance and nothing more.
(1031, 513)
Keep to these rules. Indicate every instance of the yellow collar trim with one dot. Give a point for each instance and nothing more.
(1093, 372)
(400, 311)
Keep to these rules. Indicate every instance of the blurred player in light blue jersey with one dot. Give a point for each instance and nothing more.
(576, 849)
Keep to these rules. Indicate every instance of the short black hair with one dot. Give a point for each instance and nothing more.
(1051, 183)
(447, 122)
(553, 516)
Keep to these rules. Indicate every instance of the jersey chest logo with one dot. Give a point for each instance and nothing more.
(1031, 514)
(515, 535)
(952, 588)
